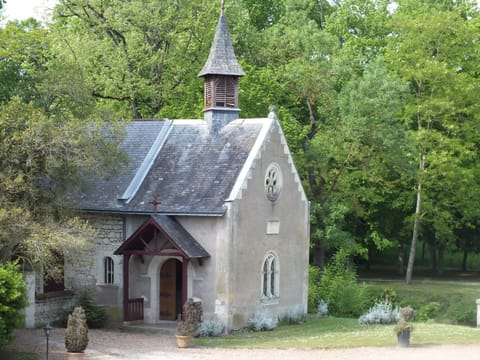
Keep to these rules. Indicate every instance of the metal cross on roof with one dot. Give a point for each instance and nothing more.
(155, 202)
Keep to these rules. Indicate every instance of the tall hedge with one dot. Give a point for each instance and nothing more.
(13, 299)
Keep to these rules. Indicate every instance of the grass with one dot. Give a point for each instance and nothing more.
(327, 333)
(457, 300)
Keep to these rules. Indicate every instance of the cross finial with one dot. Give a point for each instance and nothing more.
(223, 7)
(155, 202)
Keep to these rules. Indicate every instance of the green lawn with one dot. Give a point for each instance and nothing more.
(457, 299)
(342, 333)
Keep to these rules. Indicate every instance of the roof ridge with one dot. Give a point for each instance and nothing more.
(147, 163)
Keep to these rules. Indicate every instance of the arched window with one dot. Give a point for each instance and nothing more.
(270, 277)
(108, 267)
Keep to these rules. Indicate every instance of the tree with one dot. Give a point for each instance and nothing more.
(43, 159)
(13, 299)
(434, 55)
(140, 58)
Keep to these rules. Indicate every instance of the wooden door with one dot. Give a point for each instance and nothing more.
(168, 290)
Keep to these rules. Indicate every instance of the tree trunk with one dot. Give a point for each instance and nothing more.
(441, 260)
(416, 224)
(401, 262)
(464, 260)
(433, 256)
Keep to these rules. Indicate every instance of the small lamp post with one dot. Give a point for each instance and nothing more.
(47, 330)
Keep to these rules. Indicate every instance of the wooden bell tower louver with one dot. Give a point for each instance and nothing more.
(221, 73)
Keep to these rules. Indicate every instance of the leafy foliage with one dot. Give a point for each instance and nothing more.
(428, 312)
(340, 289)
(43, 159)
(314, 293)
(12, 299)
(378, 105)
(96, 316)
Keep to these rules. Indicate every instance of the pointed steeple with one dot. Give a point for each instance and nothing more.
(222, 59)
(221, 73)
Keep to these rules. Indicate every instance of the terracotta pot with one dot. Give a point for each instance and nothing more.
(184, 341)
(75, 355)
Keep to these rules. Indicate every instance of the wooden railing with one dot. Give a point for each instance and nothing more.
(134, 309)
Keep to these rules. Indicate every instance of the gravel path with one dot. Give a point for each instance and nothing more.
(119, 345)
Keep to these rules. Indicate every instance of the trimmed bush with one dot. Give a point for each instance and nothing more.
(76, 335)
(12, 300)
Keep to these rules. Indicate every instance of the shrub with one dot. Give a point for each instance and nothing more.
(340, 289)
(463, 313)
(322, 309)
(76, 335)
(192, 316)
(405, 314)
(211, 328)
(12, 300)
(314, 296)
(96, 315)
(380, 313)
(428, 312)
(261, 322)
(388, 295)
(292, 318)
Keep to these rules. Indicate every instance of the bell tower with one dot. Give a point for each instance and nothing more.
(221, 75)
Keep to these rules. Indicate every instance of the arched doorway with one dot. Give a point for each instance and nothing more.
(170, 297)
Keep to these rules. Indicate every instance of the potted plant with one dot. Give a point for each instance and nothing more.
(76, 334)
(187, 328)
(403, 328)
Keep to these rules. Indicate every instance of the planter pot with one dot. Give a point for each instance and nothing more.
(403, 338)
(75, 355)
(184, 341)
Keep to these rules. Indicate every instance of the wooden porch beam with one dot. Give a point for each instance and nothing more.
(184, 281)
(126, 261)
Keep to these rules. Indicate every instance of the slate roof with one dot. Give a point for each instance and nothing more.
(182, 239)
(192, 173)
(222, 59)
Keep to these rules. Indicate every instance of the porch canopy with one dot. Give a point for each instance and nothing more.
(159, 235)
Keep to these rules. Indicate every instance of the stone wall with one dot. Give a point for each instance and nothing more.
(87, 271)
(48, 307)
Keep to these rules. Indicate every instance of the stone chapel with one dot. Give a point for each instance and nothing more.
(211, 209)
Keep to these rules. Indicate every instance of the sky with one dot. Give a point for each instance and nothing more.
(23, 9)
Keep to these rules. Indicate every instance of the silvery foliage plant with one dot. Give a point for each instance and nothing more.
(382, 312)
(261, 322)
(322, 309)
(211, 328)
